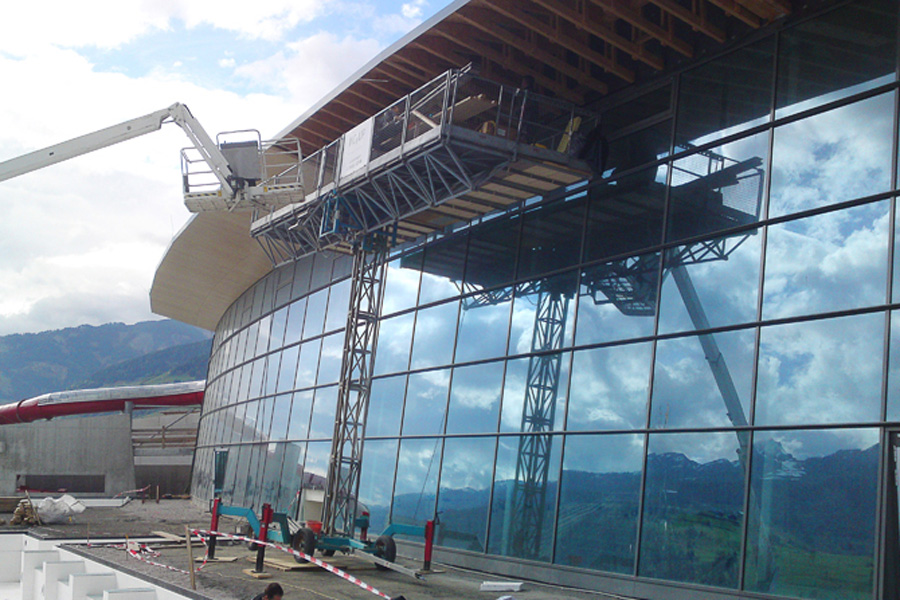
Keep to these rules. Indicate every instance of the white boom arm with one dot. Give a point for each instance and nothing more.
(177, 113)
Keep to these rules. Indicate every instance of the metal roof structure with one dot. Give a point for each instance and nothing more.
(577, 51)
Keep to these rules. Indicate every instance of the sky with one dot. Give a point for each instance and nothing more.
(81, 240)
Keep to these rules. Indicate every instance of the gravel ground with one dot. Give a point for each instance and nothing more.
(227, 580)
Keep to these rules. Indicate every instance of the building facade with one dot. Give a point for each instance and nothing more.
(681, 375)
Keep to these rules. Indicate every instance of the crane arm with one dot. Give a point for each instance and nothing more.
(177, 113)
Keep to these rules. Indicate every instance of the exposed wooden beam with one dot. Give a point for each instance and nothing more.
(414, 71)
(394, 74)
(334, 110)
(692, 19)
(768, 9)
(582, 20)
(531, 49)
(627, 13)
(320, 128)
(371, 80)
(454, 33)
(355, 102)
(509, 10)
(438, 64)
(738, 11)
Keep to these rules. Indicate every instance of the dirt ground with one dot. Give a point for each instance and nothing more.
(228, 581)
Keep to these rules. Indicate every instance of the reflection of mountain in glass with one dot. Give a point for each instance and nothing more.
(814, 510)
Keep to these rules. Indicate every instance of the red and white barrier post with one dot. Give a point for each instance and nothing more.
(429, 544)
(213, 526)
(267, 514)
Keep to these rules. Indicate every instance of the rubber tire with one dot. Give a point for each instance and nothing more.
(386, 548)
(304, 541)
(245, 530)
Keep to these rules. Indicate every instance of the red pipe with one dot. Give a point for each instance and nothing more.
(26, 411)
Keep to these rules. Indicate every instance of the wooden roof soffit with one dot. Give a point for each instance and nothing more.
(453, 32)
(695, 20)
(512, 10)
(583, 20)
(392, 73)
(414, 55)
(738, 11)
(626, 12)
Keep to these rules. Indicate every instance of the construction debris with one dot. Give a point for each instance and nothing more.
(24, 514)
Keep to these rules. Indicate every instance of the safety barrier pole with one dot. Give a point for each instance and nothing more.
(214, 526)
(267, 513)
(429, 544)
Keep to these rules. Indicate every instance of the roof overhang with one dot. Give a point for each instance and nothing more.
(577, 50)
(208, 264)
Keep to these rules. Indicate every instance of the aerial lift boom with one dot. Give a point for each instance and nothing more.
(235, 191)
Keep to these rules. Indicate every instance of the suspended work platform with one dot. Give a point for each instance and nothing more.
(451, 151)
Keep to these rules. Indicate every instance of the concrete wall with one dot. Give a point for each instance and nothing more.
(96, 445)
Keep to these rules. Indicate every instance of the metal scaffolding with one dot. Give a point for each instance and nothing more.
(360, 341)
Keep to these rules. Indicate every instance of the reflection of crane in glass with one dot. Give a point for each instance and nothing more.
(630, 285)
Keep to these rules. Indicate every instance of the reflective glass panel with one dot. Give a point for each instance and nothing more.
(262, 340)
(300, 411)
(843, 52)
(288, 456)
(618, 300)
(464, 496)
(895, 289)
(551, 238)
(711, 286)
(718, 189)
(523, 509)
(376, 480)
(302, 271)
(542, 317)
(315, 469)
(834, 261)
(288, 368)
(426, 403)
(296, 312)
(633, 149)
(610, 388)
(693, 506)
(417, 480)
(483, 325)
(281, 417)
(385, 406)
(599, 499)
(308, 364)
(839, 155)
(491, 259)
(534, 393)
(279, 320)
(703, 381)
(626, 215)
(401, 287)
(811, 527)
(826, 371)
(338, 303)
(394, 341)
(475, 398)
(434, 335)
(727, 94)
(315, 313)
(321, 426)
(330, 359)
(442, 269)
(893, 396)
(273, 364)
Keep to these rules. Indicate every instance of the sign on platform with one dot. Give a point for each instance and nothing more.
(357, 148)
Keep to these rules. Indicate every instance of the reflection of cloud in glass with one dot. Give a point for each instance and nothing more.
(609, 388)
(839, 155)
(832, 261)
(820, 371)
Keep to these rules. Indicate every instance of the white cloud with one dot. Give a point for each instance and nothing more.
(413, 10)
(227, 63)
(111, 23)
(307, 69)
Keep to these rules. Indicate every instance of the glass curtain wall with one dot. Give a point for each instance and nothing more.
(678, 371)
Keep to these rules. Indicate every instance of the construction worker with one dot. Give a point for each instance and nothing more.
(273, 592)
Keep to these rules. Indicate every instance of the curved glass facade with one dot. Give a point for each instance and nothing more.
(684, 371)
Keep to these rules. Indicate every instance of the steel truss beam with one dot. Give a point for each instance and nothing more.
(360, 340)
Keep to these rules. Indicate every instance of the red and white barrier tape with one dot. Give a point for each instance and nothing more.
(297, 553)
(137, 555)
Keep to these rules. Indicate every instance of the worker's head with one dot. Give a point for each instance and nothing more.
(273, 592)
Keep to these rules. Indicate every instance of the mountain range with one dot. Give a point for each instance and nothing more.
(100, 356)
